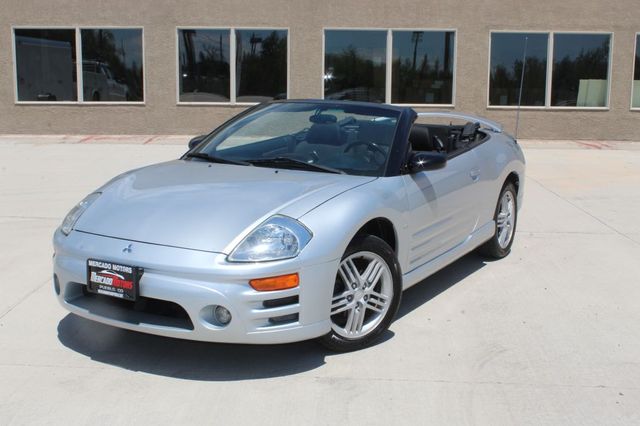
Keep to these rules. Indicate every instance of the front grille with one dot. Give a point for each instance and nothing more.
(144, 310)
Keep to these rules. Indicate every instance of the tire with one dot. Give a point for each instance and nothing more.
(505, 219)
(363, 305)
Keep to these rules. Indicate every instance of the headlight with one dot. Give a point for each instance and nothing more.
(72, 217)
(280, 237)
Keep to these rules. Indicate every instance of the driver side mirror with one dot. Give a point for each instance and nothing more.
(196, 141)
(426, 160)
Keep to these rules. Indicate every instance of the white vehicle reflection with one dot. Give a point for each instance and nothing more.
(99, 83)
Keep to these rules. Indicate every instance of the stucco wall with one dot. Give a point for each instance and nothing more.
(306, 20)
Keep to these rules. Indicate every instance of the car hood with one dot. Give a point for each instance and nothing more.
(204, 206)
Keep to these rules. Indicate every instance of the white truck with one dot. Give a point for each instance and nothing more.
(99, 84)
(44, 70)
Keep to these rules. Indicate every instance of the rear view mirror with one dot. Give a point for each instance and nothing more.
(323, 118)
(196, 141)
(426, 160)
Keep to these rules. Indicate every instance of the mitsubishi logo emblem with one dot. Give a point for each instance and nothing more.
(127, 249)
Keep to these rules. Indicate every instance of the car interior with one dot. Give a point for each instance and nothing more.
(348, 143)
(449, 139)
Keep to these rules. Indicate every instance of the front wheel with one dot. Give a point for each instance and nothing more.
(366, 295)
(505, 218)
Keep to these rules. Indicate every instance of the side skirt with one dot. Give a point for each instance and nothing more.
(481, 235)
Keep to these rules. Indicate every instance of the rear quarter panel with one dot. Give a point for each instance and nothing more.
(498, 157)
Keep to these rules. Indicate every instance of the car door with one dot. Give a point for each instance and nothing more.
(441, 208)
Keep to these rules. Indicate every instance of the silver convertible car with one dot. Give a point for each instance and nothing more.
(294, 220)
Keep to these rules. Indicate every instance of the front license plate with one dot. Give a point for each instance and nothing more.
(113, 279)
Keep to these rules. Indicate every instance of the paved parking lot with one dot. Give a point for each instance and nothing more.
(549, 335)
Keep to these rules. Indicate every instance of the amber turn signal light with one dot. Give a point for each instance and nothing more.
(281, 282)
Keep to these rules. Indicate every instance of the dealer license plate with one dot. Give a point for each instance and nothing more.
(113, 279)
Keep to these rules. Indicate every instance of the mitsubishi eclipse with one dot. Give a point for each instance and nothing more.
(294, 220)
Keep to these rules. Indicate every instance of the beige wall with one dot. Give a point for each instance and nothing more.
(306, 20)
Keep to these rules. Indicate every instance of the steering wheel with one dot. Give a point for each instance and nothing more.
(371, 146)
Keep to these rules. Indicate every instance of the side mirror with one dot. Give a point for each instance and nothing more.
(426, 160)
(196, 141)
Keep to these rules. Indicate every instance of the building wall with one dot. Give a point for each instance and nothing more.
(306, 20)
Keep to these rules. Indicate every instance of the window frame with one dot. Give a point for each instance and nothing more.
(549, 78)
(636, 46)
(79, 59)
(389, 61)
(232, 62)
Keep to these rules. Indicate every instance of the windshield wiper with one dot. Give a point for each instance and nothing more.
(214, 159)
(286, 162)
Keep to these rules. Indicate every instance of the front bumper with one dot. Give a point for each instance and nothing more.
(187, 285)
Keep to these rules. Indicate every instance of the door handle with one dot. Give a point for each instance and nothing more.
(475, 174)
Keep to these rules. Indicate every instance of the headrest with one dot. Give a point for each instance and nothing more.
(324, 134)
(470, 129)
(420, 139)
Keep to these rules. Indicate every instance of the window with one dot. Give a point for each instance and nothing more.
(580, 70)
(261, 67)
(207, 72)
(422, 70)
(112, 65)
(635, 98)
(507, 53)
(561, 69)
(355, 65)
(204, 74)
(395, 66)
(45, 65)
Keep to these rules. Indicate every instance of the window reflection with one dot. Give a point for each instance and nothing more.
(261, 67)
(422, 67)
(112, 65)
(355, 65)
(45, 64)
(204, 65)
(635, 100)
(507, 51)
(580, 70)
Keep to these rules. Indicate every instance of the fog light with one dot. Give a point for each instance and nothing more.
(222, 314)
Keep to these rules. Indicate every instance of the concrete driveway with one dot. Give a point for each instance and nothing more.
(549, 335)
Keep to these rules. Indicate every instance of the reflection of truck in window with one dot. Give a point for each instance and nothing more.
(99, 83)
(44, 70)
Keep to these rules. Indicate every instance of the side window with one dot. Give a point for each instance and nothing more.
(635, 98)
(45, 65)
(119, 53)
(423, 67)
(355, 65)
(580, 70)
(507, 50)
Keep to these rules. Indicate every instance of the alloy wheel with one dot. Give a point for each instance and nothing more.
(505, 220)
(362, 295)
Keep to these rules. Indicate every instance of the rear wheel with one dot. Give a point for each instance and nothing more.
(505, 218)
(366, 295)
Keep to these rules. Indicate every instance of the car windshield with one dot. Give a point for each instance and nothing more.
(322, 137)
